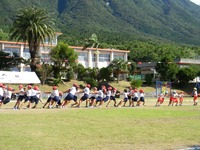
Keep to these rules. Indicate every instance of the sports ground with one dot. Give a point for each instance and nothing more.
(105, 128)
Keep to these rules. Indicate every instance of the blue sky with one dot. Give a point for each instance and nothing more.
(196, 1)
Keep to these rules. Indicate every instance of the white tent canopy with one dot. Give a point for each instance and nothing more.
(18, 77)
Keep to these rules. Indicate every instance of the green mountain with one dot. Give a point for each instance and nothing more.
(116, 21)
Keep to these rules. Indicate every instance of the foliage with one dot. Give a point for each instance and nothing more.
(34, 26)
(132, 66)
(136, 83)
(57, 81)
(62, 56)
(105, 74)
(148, 79)
(3, 35)
(185, 75)
(80, 71)
(118, 66)
(91, 42)
(91, 81)
(69, 74)
(7, 61)
(44, 72)
(167, 69)
(119, 22)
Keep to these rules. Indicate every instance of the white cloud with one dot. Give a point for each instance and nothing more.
(196, 1)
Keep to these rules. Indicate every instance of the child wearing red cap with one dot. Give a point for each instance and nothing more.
(70, 96)
(55, 97)
(20, 98)
(181, 95)
(142, 99)
(106, 96)
(85, 96)
(134, 97)
(7, 96)
(160, 99)
(93, 96)
(112, 97)
(28, 94)
(125, 99)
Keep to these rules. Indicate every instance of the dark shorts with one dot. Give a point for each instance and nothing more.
(59, 102)
(75, 98)
(1, 98)
(129, 97)
(5, 101)
(135, 99)
(125, 99)
(84, 97)
(93, 97)
(49, 99)
(34, 99)
(142, 99)
(69, 97)
(112, 98)
(20, 98)
(106, 99)
(56, 98)
(98, 99)
(27, 98)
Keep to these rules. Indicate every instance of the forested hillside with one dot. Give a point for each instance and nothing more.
(116, 21)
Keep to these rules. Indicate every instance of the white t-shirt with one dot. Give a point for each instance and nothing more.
(109, 93)
(29, 92)
(100, 93)
(54, 93)
(73, 90)
(1, 91)
(86, 91)
(8, 94)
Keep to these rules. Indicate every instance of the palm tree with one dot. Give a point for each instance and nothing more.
(34, 26)
(91, 42)
(118, 66)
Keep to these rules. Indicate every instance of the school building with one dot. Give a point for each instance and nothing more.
(91, 57)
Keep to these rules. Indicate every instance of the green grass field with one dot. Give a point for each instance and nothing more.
(145, 127)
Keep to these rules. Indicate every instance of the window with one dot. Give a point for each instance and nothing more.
(83, 57)
(94, 57)
(104, 57)
(26, 54)
(12, 51)
(118, 56)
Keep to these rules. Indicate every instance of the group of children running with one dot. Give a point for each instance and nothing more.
(31, 95)
(175, 98)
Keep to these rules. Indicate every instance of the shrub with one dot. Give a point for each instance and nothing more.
(91, 81)
(136, 83)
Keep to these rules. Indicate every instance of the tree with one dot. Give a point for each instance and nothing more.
(7, 62)
(118, 66)
(44, 71)
(91, 42)
(3, 35)
(105, 74)
(167, 69)
(34, 26)
(186, 74)
(62, 56)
